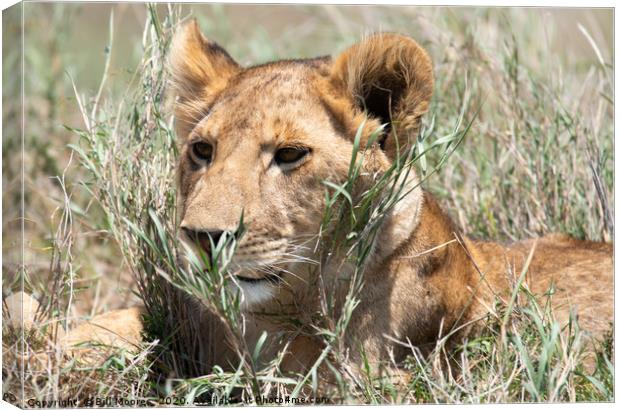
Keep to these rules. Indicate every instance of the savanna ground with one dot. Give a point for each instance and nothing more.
(536, 86)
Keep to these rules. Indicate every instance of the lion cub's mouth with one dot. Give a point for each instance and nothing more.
(274, 277)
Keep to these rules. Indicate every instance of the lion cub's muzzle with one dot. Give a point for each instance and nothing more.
(205, 240)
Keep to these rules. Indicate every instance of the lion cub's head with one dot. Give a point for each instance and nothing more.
(260, 140)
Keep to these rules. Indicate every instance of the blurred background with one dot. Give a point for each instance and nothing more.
(532, 163)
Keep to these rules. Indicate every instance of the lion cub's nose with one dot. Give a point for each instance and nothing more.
(201, 237)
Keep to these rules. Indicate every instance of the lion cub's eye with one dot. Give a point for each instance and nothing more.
(202, 151)
(290, 156)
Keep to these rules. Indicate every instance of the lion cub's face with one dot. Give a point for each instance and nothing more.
(262, 149)
(258, 142)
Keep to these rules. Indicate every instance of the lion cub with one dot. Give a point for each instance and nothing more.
(260, 140)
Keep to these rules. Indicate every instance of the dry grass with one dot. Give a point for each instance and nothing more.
(538, 159)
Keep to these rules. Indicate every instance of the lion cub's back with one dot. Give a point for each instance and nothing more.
(581, 273)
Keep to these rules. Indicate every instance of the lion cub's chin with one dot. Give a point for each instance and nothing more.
(253, 294)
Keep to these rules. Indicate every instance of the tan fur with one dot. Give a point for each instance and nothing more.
(21, 311)
(91, 342)
(403, 68)
(424, 278)
(120, 329)
(200, 70)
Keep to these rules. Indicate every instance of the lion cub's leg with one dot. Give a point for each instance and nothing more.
(302, 353)
(90, 341)
(117, 329)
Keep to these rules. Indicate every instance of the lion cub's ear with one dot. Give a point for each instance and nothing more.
(199, 68)
(390, 77)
